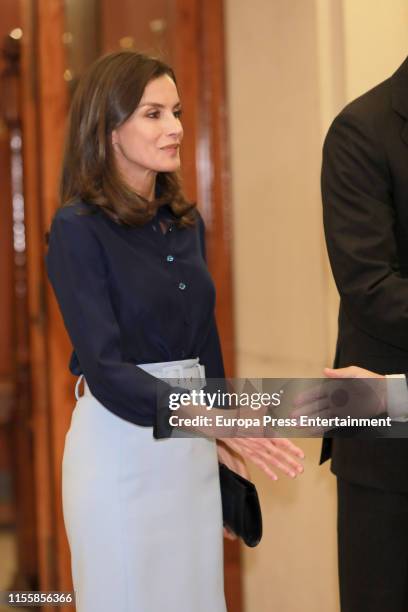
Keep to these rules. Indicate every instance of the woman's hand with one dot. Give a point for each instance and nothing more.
(266, 453)
(269, 453)
(232, 459)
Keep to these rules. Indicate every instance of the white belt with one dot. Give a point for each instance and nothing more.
(186, 373)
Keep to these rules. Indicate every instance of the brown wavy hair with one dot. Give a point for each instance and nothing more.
(105, 97)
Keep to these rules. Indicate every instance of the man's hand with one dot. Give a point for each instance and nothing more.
(350, 372)
(343, 396)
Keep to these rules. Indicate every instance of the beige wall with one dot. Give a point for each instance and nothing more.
(376, 41)
(292, 65)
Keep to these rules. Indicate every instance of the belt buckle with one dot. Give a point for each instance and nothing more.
(201, 373)
(168, 372)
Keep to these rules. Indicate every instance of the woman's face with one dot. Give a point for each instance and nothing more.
(150, 139)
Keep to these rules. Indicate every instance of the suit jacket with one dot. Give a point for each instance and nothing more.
(365, 211)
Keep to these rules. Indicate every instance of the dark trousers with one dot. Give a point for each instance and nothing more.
(373, 549)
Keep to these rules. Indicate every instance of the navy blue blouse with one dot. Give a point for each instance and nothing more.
(128, 296)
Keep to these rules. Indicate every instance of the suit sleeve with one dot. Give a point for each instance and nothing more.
(359, 224)
(77, 271)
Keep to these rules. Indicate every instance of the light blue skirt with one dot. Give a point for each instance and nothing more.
(143, 517)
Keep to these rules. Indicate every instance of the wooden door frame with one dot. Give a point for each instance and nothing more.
(34, 164)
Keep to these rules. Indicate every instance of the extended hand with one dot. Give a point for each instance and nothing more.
(269, 453)
(343, 396)
(350, 372)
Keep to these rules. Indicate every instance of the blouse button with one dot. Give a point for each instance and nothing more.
(182, 286)
(170, 258)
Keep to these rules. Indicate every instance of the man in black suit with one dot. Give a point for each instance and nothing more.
(365, 202)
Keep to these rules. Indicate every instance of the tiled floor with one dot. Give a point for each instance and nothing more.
(7, 565)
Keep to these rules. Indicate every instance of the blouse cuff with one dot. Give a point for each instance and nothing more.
(161, 426)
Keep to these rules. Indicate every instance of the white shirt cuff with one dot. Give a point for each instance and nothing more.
(397, 397)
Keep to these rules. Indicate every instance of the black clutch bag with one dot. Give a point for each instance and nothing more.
(241, 510)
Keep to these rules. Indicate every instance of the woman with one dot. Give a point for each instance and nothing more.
(126, 260)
